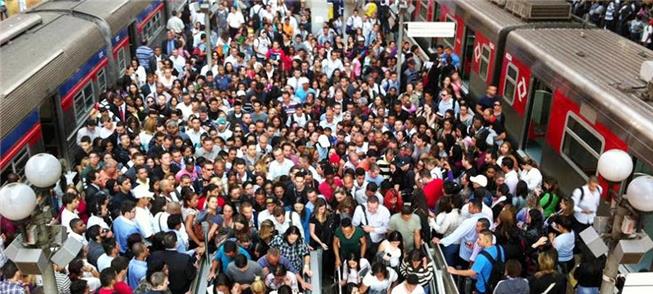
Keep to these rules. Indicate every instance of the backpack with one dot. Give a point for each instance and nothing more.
(498, 268)
(256, 18)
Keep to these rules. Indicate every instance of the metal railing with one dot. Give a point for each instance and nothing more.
(443, 281)
(201, 281)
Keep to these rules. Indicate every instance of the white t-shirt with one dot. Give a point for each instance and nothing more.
(401, 289)
(375, 284)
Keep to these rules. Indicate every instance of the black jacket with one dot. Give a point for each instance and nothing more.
(181, 270)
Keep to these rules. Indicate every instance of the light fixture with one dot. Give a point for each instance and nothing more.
(43, 170)
(640, 193)
(615, 165)
(18, 201)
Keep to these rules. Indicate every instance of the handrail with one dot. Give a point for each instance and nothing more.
(445, 282)
(339, 280)
(201, 281)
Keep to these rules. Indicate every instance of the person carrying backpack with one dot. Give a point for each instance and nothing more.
(488, 268)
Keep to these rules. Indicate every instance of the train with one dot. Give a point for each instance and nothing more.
(56, 60)
(570, 91)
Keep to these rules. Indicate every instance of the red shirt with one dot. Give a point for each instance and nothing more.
(433, 192)
(122, 288)
(326, 190)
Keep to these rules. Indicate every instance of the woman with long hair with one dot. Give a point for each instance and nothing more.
(390, 250)
(294, 249)
(547, 279)
(550, 196)
(416, 263)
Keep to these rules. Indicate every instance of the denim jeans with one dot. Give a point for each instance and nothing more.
(451, 254)
(587, 290)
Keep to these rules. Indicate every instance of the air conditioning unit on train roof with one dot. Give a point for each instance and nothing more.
(499, 2)
(540, 9)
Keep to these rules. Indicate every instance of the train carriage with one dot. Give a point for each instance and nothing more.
(573, 99)
(57, 59)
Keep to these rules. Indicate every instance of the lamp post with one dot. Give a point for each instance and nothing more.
(401, 8)
(205, 8)
(616, 166)
(32, 248)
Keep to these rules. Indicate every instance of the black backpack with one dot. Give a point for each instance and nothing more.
(498, 268)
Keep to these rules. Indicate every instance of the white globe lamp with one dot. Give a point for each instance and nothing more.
(43, 170)
(615, 165)
(640, 193)
(18, 201)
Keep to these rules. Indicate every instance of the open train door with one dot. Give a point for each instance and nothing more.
(49, 113)
(537, 121)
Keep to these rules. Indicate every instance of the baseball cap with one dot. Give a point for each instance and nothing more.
(221, 121)
(142, 191)
(481, 180)
(401, 161)
(269, 200)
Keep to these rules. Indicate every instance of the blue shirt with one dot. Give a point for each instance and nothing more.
(136, 272)
(122, 228)
(224, 259)
(564, 244)
(483, 267)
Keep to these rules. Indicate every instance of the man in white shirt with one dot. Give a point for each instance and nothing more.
(296, 81)
(280, 166)
(175, 23)
(531, 175)
(89, 130)
(144, 219)
(70, 202)
(586, 203)
(511, 176)
(78, 228)
(285, 219)
(374, 218)
(195, 132)
(466, 233)
(409, 286)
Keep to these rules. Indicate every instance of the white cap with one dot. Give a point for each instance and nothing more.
(481, 180)
(240, 93)
(142, 191)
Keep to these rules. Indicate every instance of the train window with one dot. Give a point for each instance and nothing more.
(16, 165)
(449, 41)
(152, 27)
(84, 101)
(102, 80)
(581, 146)
(122, 61)
(510, 82)
(424, 10)
(484, 65)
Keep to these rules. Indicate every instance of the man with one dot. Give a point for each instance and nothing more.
(95, 235)
(77, 230)
(207, 150)
(272, 259)
(243, 271)
(124, 225)
(586, 203)
(181, 270)
(143, 218)
(409, 286)
(285, 219)
(409, 225)
(371, 189)
(513, 283)
(13, 279)
(70, 202)
(280, 166)
(373, 218)
(138, 265)
(225, 255)
(120, 265)
(111, 250)
(511, 176)
(89, 130)
(487, 100)
(482, 268)
(175, 24)
(465, 234)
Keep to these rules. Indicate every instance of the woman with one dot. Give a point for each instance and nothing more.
(531, 204)
(281, 277)
(393, 201)
(294, 249)
(378, 280)
(224, 224)
(304, 215)
(589, 273)
(350, 277)
(521, 193)
(465, 116)
(427, 113)
(389, 252)
(549, 199)
(547, 279)
(188, 213)
(416, 263)
(447, 220)
(320, 225)
(265, 234)
(564, 242)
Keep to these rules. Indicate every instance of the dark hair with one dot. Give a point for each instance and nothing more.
(240, 261)
(513, 268)
(230, 246)
(292, 230)
(78, 286)
(127, 206)
(108, 244)
(170, 240)
(120, 263)
(68, 198)
(107, 276)
(174, 220)
(380, 268)
(485, 222)
(93, 232)
(9, 269)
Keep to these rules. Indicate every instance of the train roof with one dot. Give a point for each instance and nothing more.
(601, 68)
(35, 63)
(487, 15)
(117, 13)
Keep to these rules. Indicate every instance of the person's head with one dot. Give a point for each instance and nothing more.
(230, 248)
(79, 286)
(513, 268)
(120, 265)
(10, 271)
(78, 226)
(159, 281)
(547, 261)
(240, 261)
(128, 209)
(107, 277)
(170, 240)
(482, 224)
(395, 239)
(475, 206)
(70, 201)
(292, 235)
(110, 246)
(485, 238)
(592, 183)
(411, 282)
(380, 271)
(372, 204)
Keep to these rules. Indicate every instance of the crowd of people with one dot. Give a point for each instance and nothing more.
(289, 142)
(632, 19)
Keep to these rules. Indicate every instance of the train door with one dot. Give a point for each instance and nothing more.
(468, 54)
(537, 120)
(48, 113)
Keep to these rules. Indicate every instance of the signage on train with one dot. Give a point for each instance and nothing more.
(431, 29)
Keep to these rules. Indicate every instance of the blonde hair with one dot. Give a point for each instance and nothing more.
(258, 287)
(266, 230)
(546, 263)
